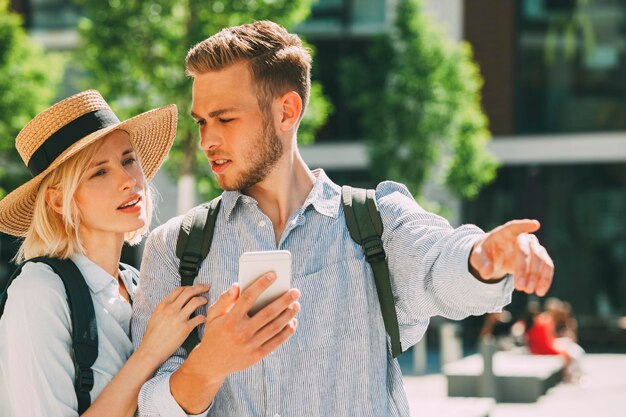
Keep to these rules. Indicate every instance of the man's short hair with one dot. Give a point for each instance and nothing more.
(278, 60)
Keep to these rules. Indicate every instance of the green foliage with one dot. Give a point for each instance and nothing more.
(419, 94)
(145, 66)
(28, 82)
(315, 116)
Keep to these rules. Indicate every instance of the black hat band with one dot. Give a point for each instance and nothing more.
(66, 136)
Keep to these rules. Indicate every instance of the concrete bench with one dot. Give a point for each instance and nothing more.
(427, 398)
(511, 376)
(452, 407)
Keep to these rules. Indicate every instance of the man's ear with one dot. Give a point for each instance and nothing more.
(288, 109)
(54, 199)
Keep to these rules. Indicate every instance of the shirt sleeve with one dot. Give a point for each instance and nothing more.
(158, 277)
(428, 264)
(36, 336)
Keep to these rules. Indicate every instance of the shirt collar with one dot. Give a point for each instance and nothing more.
(325, 197)
(97, 278)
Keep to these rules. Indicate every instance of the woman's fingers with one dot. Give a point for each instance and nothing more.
(195, 321)
(188, 293)
(172, 295)
(192, 305)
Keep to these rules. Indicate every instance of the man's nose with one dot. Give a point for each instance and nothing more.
(209, 140)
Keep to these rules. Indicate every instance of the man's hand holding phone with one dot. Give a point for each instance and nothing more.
(233, 340)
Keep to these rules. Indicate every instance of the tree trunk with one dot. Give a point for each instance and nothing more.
(186, 193)
(186, 180)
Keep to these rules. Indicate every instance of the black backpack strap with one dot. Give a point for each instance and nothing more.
(84, 326)
(193, 245)
(134, 274)
(366, 228)
(5, 288)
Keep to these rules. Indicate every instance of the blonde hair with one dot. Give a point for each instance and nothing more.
(277, 59)
(56, 235)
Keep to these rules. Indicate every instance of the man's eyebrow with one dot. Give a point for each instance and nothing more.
(219, 112)
(213, 114)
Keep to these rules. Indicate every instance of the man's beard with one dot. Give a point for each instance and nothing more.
(263, 157)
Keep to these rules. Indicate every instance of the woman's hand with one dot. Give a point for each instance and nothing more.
(170, 323)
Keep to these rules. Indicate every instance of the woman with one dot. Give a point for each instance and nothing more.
(88, 195)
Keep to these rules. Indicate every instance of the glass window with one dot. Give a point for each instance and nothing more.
(571, 66)
(342, 124)
(581, 208)
(53, 14)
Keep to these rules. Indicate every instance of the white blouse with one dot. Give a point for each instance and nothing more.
(36, 369)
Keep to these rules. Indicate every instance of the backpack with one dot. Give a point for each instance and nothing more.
(363, 222)
(83, 318)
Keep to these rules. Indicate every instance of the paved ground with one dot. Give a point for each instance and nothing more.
(600, 393)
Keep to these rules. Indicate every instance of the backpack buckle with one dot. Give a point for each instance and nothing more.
(189, 264)
(84, 379)
(373, 247)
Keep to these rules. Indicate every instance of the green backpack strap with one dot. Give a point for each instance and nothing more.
(366, 228)
(193, 245)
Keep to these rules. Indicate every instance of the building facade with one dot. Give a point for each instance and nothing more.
(555, 95)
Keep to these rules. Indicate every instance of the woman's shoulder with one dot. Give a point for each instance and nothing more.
(37, 290)
(37, 277)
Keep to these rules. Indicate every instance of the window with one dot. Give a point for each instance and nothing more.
(571, 62)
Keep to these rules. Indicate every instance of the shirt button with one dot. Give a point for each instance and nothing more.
(262, 223)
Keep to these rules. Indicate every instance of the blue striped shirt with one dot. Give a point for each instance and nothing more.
(338, 362)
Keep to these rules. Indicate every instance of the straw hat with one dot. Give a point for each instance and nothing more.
(59, 132)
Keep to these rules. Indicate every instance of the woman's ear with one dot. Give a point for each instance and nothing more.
(54, 199)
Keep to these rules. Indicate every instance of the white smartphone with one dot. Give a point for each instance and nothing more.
(254, 264)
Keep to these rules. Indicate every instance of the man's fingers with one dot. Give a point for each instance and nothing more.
(519, 276)
(274, 309)
(516, 227)
(533, 266)
(250, 294)
(276, 325)
(223, 304)
(522, 262)
(279, 339)
(545, 280)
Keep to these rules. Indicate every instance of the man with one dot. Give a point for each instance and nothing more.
(251, 86)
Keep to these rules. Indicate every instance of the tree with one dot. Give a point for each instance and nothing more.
(419, 96)
(135, 51)
(29, 78)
